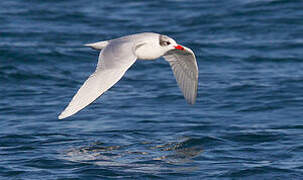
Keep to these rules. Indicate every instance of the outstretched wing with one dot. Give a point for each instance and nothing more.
(184, 66)
(114, 60)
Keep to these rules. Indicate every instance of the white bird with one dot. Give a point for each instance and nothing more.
(117, 55)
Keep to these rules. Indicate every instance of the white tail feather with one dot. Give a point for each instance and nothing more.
(98, 45)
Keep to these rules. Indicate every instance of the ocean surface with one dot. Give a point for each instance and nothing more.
(247, 122)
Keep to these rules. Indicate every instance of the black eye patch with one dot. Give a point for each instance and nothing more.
(163, 40)
(164, 43)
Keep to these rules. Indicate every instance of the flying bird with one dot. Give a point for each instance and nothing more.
(118, 55)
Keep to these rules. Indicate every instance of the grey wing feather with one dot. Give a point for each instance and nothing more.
(114, 60)
(185, 69)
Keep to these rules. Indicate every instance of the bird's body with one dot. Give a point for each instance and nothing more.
(117, 55)
(143, 50)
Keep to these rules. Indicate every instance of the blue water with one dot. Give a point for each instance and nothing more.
(246, 124)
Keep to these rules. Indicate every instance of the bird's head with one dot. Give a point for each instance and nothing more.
(169, 43)
(152, 46)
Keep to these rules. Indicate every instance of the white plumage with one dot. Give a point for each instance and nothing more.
(119, 54)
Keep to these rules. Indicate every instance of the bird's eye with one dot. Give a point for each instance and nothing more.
(164, 43)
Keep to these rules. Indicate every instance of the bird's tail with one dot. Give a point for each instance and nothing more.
(97, 45)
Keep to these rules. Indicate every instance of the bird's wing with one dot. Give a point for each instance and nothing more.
(114, 60)
(184, 66)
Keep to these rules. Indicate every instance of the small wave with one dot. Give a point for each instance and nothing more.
(140, 158)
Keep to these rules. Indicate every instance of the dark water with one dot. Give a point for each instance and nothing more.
(246, 124)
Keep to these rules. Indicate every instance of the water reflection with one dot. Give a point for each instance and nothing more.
(145, 157)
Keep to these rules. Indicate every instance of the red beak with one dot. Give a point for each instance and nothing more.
(179, 47)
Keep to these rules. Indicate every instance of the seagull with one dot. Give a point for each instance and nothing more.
(118, 55)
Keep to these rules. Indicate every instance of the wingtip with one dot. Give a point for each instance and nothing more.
(62, 115)
(191, 102)
(67, 112)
